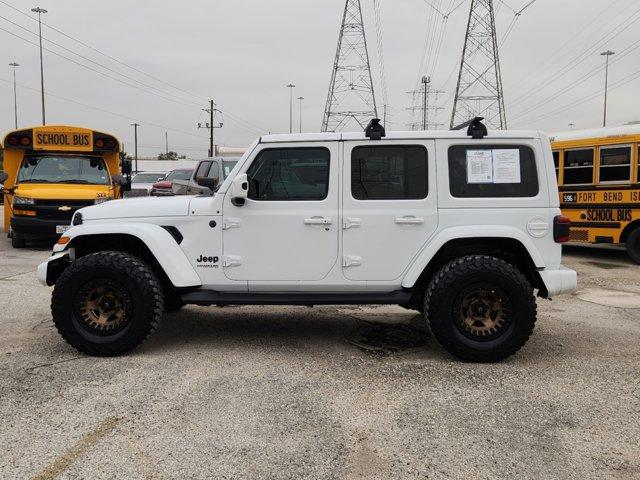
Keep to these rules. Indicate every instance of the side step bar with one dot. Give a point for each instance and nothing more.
(212, 297)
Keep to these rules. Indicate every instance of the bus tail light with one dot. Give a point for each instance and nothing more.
(561, 229)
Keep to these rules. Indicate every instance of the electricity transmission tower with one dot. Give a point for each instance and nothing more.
(479, 89)
(351, 94)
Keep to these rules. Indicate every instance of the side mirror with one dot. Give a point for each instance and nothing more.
(123, 182)
(3, 177)
(239, 190)
(126, 167)
(208, 182)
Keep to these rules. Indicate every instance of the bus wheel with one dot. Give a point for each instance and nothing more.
(18, 242)
(633, 245)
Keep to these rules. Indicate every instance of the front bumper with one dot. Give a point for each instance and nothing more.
(33, 227)
(560, 281)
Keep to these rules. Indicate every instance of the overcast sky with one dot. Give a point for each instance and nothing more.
(242, 53)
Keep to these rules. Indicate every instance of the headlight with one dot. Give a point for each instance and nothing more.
(21, 201)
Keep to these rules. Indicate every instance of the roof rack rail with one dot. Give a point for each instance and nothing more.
(374, 130)
(476, 129)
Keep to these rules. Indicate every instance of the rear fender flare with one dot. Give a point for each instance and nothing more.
(468, 231)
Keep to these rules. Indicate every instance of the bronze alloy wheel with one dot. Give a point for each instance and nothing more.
(483, 312)
(103, 307)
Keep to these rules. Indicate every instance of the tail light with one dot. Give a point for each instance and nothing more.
(561, 229)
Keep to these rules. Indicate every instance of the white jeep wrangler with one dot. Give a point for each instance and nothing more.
(462, 226)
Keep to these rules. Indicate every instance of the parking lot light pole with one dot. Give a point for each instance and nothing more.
(40, 11)
(15, 92)
(300, 99)
(291, 86)
(606, 54)
(135, 142)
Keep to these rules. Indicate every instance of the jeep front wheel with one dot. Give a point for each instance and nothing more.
(107, 303)
(480, 308)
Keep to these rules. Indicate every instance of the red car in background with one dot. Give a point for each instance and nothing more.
(163, 188)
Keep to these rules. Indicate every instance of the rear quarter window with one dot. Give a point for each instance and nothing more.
(492, 171)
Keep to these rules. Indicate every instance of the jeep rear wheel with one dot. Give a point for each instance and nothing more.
(633, 245)
(107, 303)
(480, 308)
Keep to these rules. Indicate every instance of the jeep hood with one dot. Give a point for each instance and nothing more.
(177, 206)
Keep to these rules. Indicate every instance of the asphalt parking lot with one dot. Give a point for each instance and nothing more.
(331, 392)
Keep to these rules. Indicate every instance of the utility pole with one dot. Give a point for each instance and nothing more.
(40, 11)
(15, 92)
(351, 95)
(291, 86)
(166, 143)
(426, 82)
(300, 99)
(606, 54)
(479, 88)
(135, 142)
(210, 125)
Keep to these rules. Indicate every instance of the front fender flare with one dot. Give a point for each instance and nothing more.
(468, 231)
(162, 245)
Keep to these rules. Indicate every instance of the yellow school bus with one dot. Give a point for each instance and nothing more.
(599, 177)
(50, 172)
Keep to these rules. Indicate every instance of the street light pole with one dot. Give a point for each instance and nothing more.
(15, 92)
(301, 99)
(606, 54)
(291, 86)
(40, 11)
(135, 142)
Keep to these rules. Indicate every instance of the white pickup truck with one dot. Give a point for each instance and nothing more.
(463, 226)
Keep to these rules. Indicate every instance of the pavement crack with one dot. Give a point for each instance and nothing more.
(35, 367)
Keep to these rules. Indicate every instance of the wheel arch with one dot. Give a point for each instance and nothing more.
(628, 229)
(509, 249)
(151, 243)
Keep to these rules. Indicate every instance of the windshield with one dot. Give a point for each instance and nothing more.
(228, 166)
(64, 169)
(179, 175)
(147, 177)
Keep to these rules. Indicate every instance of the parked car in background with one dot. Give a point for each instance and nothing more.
(209, 173)
(142, 183)
(163, 188)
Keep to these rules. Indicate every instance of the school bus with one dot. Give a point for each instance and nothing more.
(52, 171)
(599, 177)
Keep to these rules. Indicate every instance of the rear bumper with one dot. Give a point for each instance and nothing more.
(560, 281)
(161, 193)
(33, 227)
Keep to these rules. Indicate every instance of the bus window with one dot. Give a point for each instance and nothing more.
(556, 162)
(578, 167)
(615, 164)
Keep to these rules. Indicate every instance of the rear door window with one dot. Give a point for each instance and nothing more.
(389, 173)
(492, 171)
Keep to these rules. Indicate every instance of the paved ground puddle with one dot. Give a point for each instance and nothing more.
(388, 338)
(610, 298)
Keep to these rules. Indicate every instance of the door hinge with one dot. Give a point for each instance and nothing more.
(228, 223)
(231, 261)
(351, 261)
(350, 222)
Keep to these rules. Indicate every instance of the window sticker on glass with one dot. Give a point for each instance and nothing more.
(479, 166)
(506, 166)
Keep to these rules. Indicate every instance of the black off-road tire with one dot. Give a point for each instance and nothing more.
(18, 242)
(633, 245)
(444, 308)
(140, 287)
